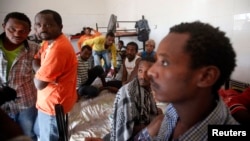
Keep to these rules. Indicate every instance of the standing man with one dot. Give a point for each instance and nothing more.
(56, 72)
(102, 48)
(16, 55)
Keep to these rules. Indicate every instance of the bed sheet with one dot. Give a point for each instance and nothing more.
(90, 117)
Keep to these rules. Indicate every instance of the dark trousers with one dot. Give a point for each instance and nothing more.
(86, 89)
(93, 73)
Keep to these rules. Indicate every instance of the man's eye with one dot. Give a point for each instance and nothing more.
(164, 63)
(12, 30)
(48, 25)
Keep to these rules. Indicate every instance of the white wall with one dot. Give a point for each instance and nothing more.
(231, 16)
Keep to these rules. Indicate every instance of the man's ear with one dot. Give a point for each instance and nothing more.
(208, 76)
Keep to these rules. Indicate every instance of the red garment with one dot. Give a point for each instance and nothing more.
(235, 100)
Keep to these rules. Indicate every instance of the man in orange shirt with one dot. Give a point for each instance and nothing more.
(87, 35)
(56, 72)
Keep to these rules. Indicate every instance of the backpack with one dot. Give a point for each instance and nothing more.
(143, 30)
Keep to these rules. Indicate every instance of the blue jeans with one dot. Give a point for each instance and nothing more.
(26, 119)
(98, 55)
(47, 126)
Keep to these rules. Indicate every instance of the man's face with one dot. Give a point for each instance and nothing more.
(131, 52)
(172, 78)
(46, 27)
(149, 47)
(143, 68)
(87, 31)
(16, 30)
(109, 40)
(85, 54)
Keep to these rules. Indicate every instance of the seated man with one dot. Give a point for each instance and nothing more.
(129, 67)
(131, 116)
(121, 54)
(130, 64)
(193, 61)
(87, 73)
(149, 49)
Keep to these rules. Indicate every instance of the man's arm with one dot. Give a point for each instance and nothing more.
(38, 83)
(89, 42)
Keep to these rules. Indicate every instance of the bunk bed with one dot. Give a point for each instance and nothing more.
(114, 24)
(236, 85)
(119, 28)
(116, 27)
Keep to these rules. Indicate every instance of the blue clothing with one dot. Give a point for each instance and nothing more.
(199, 132)
(145, 54)
(48, 131)
(102, 54)
(20, 77)
(26, 119)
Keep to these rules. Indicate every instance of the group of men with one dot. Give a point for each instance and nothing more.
(42, 76)
(190, 65)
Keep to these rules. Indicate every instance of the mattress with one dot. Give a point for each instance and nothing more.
(90, 117)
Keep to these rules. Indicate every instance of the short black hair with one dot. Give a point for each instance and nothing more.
(19, 16)
(84, 28)
(86, 47)
(133, 44)
(57, 17)
(121, 42)
(148, 59)
(208, 45)
(111, 34)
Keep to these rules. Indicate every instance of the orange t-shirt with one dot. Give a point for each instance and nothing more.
(59, 67)
(86, 37)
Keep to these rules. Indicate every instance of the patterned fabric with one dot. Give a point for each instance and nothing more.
(82, 70)
(219, 116)
(126, 110)
(20, 77)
